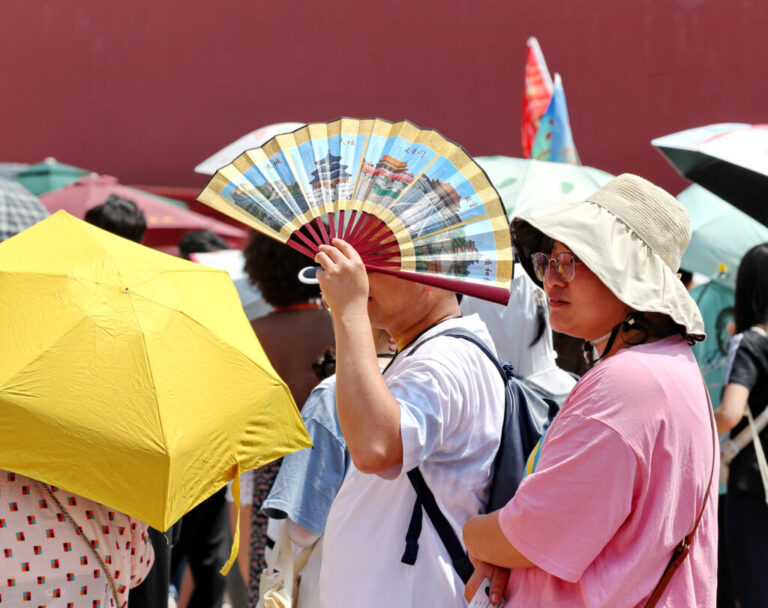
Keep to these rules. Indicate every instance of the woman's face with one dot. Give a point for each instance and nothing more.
(582, 307)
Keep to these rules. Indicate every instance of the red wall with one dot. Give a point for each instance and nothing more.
(146, 89)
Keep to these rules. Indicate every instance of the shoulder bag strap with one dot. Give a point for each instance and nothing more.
(79, 532)
(682, 549)
(759, 452)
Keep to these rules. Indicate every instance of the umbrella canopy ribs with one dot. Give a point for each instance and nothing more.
(129, 376)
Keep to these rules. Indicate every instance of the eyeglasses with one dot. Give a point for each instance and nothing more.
(565, 265)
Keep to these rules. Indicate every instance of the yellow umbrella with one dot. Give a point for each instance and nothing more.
(129, 376)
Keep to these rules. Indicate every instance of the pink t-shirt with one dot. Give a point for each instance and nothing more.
(620, 480)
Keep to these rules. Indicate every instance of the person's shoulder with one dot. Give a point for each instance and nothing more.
(470, 323)
(749, 346)
(637, 371)
(450, 351)
(657, 358)
(321, 403)
(752, 340)
(451, 360)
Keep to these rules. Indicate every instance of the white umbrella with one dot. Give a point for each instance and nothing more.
(233, 262)
(729, 159)
(254, 139)
(524, 183)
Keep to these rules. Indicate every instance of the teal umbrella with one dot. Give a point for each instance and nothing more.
(715, 302)
(49, 175)
(721, 235)
(525, 183)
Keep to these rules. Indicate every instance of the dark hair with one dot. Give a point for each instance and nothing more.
(274, 267)
(325, 365)
(686, 276)
(200, 241)
(751, 306)
(119, 216)
(541, 317)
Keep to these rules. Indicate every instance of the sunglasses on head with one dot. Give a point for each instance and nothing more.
(565, 265)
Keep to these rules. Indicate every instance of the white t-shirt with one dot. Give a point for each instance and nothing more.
(452, 406)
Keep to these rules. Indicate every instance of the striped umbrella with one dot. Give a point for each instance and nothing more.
(19, 208)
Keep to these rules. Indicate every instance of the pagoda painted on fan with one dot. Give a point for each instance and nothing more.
(386, 179)
(330, 174)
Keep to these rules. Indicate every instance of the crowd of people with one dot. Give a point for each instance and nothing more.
(619, 501)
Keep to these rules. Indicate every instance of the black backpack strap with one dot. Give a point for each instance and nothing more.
(414, 526)
(425, 498)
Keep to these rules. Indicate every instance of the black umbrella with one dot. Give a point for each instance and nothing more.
(730, 160)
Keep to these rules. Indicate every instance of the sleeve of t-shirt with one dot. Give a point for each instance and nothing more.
(425, 392)
(743, 369)
(309, 479)
(564, 514)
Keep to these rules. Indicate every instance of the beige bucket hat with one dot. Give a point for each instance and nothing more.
(631, 234)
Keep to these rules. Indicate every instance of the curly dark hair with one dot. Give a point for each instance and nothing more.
(273, 268)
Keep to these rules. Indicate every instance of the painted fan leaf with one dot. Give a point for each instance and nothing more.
(411, 202)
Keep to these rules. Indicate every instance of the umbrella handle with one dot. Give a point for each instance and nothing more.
(236, 540)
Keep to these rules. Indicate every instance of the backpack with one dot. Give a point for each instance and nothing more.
(527, 415)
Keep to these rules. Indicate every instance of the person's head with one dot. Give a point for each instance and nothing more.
(200, 241)
(403, 307)
(273, 267)
(575, 300)
(119, 216)
(686, 278)
(751, 306)
(613, 254)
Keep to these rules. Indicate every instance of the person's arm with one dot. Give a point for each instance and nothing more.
(486, 542)
(369, 415)
(731, 409)
(300, 536)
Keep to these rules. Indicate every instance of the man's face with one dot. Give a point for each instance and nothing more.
(395, 304)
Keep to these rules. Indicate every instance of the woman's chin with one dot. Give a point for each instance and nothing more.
(565, 328)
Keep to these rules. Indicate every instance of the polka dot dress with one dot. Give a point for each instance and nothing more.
(45, 564)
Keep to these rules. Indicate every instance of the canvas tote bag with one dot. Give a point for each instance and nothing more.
(278, 582)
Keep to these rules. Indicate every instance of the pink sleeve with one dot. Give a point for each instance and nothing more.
(142, 554)
(563, 515)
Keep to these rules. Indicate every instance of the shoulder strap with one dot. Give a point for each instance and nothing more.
(682, 549)
(426, 499)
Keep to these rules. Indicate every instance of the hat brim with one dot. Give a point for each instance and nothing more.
(633, 272)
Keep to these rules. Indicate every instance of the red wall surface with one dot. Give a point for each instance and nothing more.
(146, 89)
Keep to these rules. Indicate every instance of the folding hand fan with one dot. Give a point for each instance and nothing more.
(412, 203)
